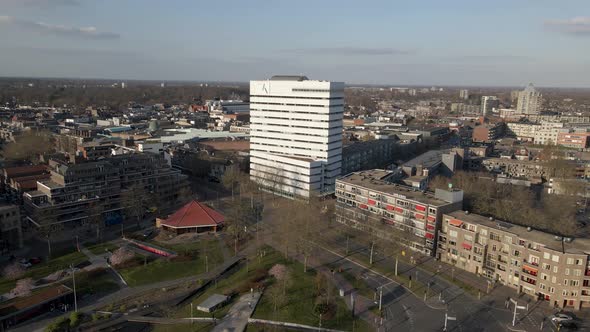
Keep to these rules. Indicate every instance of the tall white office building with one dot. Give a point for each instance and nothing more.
(296, 134)
(488, 104)
(529, 101)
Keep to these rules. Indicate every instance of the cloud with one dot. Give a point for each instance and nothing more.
(350, 51)
(579, 26)
(58, 30)
(495, 57)
(41, 3)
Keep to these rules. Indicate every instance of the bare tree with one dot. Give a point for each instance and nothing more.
(28, 146)
(13, 271)
(121, 256)
(23, 287)
(133, 201)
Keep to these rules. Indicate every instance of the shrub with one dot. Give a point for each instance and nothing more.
(75, 318)
(96, 317)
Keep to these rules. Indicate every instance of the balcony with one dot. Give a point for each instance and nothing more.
(529, 271)
(528, 280)
(530, 263)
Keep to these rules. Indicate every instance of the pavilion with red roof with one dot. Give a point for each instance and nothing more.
(194, 217)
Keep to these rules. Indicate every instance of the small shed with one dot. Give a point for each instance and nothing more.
(212, 303)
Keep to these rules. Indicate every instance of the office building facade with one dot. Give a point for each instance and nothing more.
(296, 134)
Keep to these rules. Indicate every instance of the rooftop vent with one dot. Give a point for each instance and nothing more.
(528, 229)
(491, 218)
(568, 239)
(466, 212)
(557, 238)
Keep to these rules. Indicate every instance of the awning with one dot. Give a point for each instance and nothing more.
(399, 210)
(389, 207)
(431, 218)
(466, 245)
(419, 216)
(530, 269)
(456, 222)
(429, 227)
(363, 206)
(420, 207)
(389, 221)
(429, 236)
(371, 202)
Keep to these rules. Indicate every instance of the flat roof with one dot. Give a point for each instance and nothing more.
(374, 180)
(577, 246)
(427, 159)
(38, 297)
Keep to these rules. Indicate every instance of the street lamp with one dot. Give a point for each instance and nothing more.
(74, 285)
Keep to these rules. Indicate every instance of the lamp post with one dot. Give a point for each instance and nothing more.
(74, 285)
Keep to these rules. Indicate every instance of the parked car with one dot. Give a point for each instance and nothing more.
(561, 317)
(34, 260)
(567, 324)
(25, 263)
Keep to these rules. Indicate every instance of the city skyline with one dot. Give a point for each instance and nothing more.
(461, 43)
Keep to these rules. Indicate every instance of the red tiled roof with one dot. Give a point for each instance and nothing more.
(194, 214)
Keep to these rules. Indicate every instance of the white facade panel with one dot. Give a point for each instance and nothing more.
(296, 131)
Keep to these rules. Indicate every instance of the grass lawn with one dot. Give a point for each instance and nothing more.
(44, 269)
(100, 249)
(200, 326)
(301, 296)
(98, 281)
(191, 261)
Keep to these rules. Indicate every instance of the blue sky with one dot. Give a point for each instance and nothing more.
(414, 42)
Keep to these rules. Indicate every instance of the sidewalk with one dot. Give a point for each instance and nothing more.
(238, 315)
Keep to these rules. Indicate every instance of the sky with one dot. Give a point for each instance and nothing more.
(411, 42)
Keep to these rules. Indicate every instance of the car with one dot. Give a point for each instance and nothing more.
(34, 260)
(561, 317)
(567, 324)
(148, 233)
(25, 264)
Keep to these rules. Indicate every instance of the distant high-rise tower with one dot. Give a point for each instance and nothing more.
(464, 94)
(488, 103)
(529, 101)
(296, 134)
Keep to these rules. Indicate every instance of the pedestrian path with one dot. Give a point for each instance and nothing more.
(238, 315)
(98, 261)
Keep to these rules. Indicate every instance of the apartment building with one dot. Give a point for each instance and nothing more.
(11, 236)
(296, 134)
(66, 198)
(517, 168)
(551, 268)
(489, 104)
(574, 139)
(488, 132)
(524, 131)
(529, 101)
(548, 132)
(367, 201)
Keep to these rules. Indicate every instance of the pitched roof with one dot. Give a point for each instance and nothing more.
(194, 214)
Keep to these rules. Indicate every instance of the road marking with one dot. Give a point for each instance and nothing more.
(409, 315)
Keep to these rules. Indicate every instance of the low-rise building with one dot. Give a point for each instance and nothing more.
(574, 139)
(549, 267)
(394, 212)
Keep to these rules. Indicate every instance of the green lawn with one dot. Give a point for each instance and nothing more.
(195, 327)
(44, 269)
(98, 281)
(100, 249)
(301, 297)
(191, 261)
